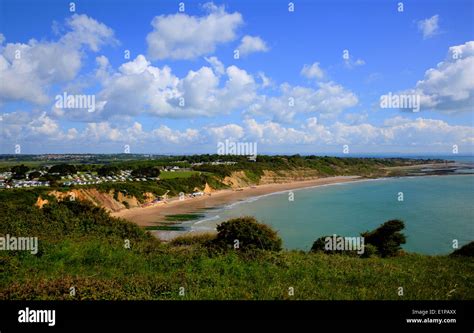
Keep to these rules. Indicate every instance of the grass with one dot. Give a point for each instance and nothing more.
(109, 271)
(82, 246)
(178, 174)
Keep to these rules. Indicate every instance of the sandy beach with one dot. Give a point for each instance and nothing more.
(148, 216)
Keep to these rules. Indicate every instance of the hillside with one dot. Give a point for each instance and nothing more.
(81, 246)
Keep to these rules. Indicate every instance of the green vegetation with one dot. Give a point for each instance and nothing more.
(63, 169)
(165, 227)
(172, 186)
(385, 241)
(82, 246)
(146, 172)
(108, 170)
(180, 174)
(465, 251)
(183, 217)
(19, 171)
(246, 234)
(387, 238)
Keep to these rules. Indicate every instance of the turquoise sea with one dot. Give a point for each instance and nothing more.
(436, 210)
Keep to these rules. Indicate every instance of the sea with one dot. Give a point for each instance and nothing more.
(438, 210)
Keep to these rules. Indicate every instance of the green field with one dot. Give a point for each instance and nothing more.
(177, 174)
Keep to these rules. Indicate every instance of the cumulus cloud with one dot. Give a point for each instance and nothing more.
(429, 27)
(216, 64)
(28, 70)
(231, 132)
(397, 131)
(449, 87)
(181, 36)
(329, 98)
(252, 44)
(394, 132)
(313, 71)
(139, 87)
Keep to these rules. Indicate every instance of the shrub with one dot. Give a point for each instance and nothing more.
(370, 251)
(249, 233)
(319, 245)
(387, 238)
(465, 251)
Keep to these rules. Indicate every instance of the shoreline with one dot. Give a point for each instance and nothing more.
(156, 215)
(150, 216)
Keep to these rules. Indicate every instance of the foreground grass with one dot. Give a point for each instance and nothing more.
(106, 270)
(81, 246)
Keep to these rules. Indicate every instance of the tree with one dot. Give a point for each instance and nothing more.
(108, 170)
(319, 245)
(246, 234)
(34, 175)
(63, 169)
(19, 171)
(146, 172)
(465, 251)
(387, 238)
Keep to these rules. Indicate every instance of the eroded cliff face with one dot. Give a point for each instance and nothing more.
(102, 199)
(239, 179)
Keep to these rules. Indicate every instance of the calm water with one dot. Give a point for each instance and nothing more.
(436, 210)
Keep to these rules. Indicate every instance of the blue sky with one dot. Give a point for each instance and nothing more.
(425, 51)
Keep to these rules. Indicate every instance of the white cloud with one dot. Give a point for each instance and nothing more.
(181, 36)
(252, 44)
(329, 98)
(429, 27)
(138, 87)
(266, 81)
(449, 86)
(313, 71)
(231, 132)
(30, 69)
(426, 134)
(216, 64)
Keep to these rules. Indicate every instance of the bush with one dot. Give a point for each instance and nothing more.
(387, 238)
(370, 251)
(319, 245)
(465, 251)
(249, 233)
